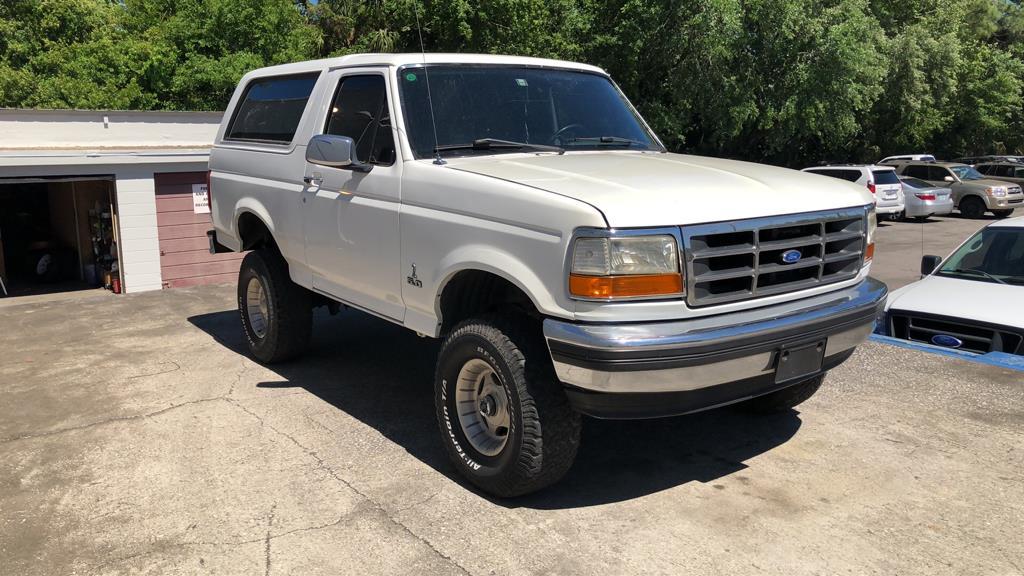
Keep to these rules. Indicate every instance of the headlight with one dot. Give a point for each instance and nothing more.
(869, 250)
(606, 268)
(996, 191)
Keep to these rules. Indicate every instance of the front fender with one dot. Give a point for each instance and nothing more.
(502, 264)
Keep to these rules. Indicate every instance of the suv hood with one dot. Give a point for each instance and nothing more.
(985, 183)
(969, 299)
(634, 189)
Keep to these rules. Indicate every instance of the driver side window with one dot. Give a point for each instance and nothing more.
(360, 111)
(937, 173)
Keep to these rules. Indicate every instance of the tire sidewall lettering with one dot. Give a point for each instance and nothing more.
(452, 431)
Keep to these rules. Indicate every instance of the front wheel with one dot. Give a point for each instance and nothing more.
(277, 314)
(788, 397)
(505, 420)
(972, 207)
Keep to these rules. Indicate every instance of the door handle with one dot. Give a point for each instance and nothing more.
(316, 179)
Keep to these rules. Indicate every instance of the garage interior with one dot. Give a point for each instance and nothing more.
(58, 235)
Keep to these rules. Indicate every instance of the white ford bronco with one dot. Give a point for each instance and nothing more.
(522, 210)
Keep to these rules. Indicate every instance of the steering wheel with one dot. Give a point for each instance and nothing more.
(557, 135)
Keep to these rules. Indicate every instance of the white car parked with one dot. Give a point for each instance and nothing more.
(880, 180)
(902, 157)
(973, 300)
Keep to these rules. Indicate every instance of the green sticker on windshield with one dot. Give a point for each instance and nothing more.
(410, 77)
(521, 82)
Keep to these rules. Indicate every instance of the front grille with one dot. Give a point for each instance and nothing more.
(739, 260)
(976, 337)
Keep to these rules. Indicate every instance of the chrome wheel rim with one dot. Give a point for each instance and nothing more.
(483, 407)
(257, 309)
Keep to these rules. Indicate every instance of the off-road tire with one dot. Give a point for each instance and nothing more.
(1002, 213)
(972, 207)
(782, 400)
(544, 431)
(289, 318)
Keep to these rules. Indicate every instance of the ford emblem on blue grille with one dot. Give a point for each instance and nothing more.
(791, 256)
(947, 341)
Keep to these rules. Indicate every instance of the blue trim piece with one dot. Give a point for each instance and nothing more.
(999, 359)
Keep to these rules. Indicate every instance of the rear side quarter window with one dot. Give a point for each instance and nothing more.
(271, 108)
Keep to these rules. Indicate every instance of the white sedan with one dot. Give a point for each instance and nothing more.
(972, 301)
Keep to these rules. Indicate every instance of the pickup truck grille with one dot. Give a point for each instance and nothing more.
(732, 261)
(976, 337)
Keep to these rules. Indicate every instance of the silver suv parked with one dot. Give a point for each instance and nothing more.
(880, 180)
(1005, 171)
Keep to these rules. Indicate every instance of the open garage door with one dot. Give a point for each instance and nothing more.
(58, 234)
(185, 258)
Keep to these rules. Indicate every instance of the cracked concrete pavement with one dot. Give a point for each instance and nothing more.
(136, 437)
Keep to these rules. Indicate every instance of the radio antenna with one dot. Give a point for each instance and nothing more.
(430, 101)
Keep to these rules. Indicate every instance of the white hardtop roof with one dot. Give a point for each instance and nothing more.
(415, 58)
(850, 167)
(1017, 222)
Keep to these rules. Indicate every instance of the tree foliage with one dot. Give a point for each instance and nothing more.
(785, 81)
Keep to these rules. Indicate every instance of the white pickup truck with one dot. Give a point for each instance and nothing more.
(523, 211)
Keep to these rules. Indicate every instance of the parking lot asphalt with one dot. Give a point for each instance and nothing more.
(136, 437)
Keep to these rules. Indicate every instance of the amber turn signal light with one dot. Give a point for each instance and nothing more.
(632, 286)
(869, 252)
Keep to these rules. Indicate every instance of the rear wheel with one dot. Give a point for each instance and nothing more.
(782, 400)
(972, 207)
(1002, 213)
(277, 314)
(505, 420)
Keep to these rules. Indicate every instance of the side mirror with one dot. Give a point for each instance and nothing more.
(929, 264)
(949, 179)
(335, 152)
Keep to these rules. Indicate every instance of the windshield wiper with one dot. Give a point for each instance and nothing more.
(977, 271)
(608, 140)
(494, 143)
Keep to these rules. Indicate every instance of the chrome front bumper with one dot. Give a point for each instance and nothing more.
(649, 369)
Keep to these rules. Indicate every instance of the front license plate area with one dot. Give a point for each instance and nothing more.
(799, 361)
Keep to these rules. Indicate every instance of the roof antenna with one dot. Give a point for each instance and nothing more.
(430, 101)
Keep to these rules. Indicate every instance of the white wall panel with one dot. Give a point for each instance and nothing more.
(140, 255)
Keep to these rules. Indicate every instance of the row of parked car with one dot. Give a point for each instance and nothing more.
(918, 186)
(987, 268)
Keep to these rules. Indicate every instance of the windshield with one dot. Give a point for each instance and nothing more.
(538, 106)
(966, 173)
(992, 255)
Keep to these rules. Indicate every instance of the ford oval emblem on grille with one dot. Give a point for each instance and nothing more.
(791, 256)
(947, 341)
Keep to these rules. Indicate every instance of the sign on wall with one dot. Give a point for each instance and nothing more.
(200, 199)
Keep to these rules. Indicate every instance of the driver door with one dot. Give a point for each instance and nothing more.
(351, 217)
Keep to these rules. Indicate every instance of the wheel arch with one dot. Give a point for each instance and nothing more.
(254, 227)
(476, 287)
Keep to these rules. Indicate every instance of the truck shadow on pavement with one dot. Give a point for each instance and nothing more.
(382, 375)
